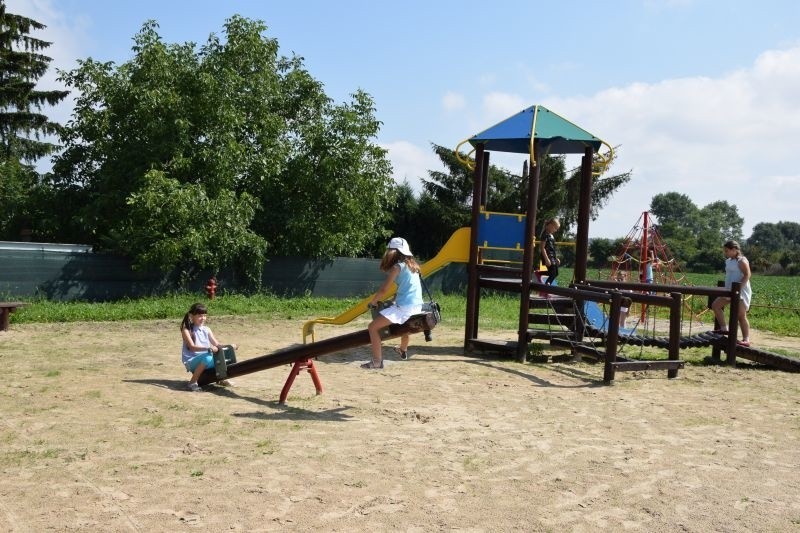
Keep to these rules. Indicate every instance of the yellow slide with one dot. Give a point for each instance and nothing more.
(455, 250)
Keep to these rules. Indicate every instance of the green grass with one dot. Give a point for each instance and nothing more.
(776, 306)
(175, 306)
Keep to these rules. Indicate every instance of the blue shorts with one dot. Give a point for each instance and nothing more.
(203, 357)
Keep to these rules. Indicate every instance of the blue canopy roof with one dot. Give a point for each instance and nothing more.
(553, 133)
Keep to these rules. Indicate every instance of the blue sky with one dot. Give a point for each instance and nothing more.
(702, 96)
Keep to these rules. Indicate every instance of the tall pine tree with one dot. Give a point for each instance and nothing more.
(22, 125)
(23, 128)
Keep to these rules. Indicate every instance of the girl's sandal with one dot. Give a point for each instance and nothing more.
(372, 365)
(403, 353)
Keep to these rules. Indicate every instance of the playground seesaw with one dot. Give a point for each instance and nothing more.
(302, 356)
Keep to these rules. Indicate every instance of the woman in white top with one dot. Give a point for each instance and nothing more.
(401, 268)
(737, 269)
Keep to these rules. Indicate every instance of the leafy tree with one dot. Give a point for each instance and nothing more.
(791, 232)
(772, 243)
(171, 224)
(22, 125)
(403, 221)
(677, 214)
(333, 196)
(718, 222)
(603, 188)
(233, 123)
(602, 250)
(445, 202)
(722, 220)
(767, 236)
(16, 182)
(450, 195)
(695, 235)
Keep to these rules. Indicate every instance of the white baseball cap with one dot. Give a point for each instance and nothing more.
(401, 245)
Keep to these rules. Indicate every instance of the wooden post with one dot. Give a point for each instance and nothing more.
(674, 332)
(716, 350)
(528, 255)
(470, 324)
(485, 180)
(612, 340)
(733, 323)
(584, 210)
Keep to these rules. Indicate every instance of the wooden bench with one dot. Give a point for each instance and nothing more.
(6, 308)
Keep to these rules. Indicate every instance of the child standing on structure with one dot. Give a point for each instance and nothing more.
(548, 246)
(401, 268)
(737, 269)
(199, 345)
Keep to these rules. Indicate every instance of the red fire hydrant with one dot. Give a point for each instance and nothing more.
(211, 287)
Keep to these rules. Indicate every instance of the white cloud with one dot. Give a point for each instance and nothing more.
(411, 162)
(730, 138)
(453, 101)
(498, 106)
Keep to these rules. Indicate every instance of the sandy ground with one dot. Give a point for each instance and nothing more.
(98, 434)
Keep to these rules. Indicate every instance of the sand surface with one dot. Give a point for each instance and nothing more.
(98, 434)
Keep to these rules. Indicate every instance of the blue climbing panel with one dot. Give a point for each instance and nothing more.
(501, 230)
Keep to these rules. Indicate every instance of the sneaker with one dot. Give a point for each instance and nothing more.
(194, 387)
(745, 344)
(370, 365)
(225, 383)
(403, 353)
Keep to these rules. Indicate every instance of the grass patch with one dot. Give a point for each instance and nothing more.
(267, 447)
(154, 421)
(775, 306)
(20, 457)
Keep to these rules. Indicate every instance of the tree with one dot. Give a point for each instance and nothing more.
(722, 220)
(791, 232)
(234, 123)
(603, 188)
(676, 213)
(767, 236)
(21, 66)
(22, 125)
(695, 235)
(772, 243)
(173, 224)
(450, 195)
(403, 221)
(602, 250)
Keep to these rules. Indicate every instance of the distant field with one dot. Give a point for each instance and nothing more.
(775, 306)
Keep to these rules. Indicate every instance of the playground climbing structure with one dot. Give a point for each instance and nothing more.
(645, 257)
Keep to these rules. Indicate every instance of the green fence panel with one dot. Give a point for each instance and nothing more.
(87, 276)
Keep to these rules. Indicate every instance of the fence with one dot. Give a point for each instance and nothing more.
(74, 272)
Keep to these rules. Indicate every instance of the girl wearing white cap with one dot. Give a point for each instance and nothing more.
(401, 268)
